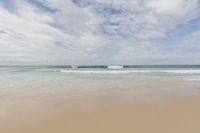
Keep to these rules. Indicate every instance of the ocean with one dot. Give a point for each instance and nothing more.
(126, 83)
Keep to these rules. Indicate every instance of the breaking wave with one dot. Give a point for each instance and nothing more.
(123, 71)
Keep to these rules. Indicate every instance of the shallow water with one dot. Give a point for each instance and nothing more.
(114, 83)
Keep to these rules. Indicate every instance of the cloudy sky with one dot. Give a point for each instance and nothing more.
(92, 32)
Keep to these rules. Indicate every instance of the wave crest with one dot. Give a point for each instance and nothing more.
(115, 67)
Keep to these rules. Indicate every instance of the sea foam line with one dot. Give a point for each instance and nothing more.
(131, 71)
(96, 72)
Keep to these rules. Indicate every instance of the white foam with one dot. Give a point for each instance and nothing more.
(123, 71)
(115, 67)
(96, 72)
(74, 67)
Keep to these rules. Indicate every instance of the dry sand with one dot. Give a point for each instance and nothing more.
(181, 116)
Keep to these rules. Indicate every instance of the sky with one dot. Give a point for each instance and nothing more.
(99, 32)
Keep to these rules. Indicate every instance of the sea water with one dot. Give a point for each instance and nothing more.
(128, 83)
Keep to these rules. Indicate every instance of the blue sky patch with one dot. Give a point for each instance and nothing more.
(83, 3)
(42, 6)
(8, 5)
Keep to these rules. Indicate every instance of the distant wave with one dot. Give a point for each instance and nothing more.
(95, 67)
(95, 72)
(107, 69)
(135, 67)
(91, 67)
(115, 67)
(122, 71)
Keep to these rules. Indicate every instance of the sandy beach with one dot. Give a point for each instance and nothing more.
(46, 100)
(178, 116)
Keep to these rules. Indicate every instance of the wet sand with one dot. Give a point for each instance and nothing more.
(176, 116)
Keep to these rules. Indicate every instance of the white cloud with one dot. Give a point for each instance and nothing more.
(192, 38)
(174, 8)
(90, 31)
